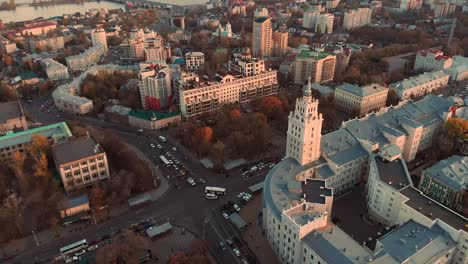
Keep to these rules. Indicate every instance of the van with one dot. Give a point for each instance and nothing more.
(162, 139)
(211, 196)
(254, 169)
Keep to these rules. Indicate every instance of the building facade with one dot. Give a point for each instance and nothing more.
(446, 181)
(7, 46)
(99, 36)
(194, 61)
(322, 23)
(459, 69)
(262, 37)
(19, 141)
(80, 162)
(152, 120)
(54, 69)
(319, 66)
(41, 43)
(86, 59)
(357, 18)
(420, 85)
(280, 43)
(37, 29)
(360, 100)
(155, 88)
(12, 117)
(432, 60)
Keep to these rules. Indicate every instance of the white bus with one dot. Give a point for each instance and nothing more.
(162, 139)
(82, 244)
(215, 190)
(165, 161)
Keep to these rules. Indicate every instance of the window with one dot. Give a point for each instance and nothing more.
(66, 167)
(84, 163)
(87, 178)
(68, 175)
(101, 165)
(95, 175)
(102, 173)
(85, 170)
(93, 167)
(77, 172)
(92, 160)
(100, 158)
(75, 165)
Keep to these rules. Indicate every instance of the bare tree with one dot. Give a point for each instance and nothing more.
(126, 248)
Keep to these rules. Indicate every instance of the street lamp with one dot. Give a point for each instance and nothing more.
(204, 223)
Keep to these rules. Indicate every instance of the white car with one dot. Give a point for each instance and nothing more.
(93, 247)
(241, 194)
(79, 253)
(236, 207)
(159, 146)
(226, 216)
(152, 145)
(236, 252)
(191, 181)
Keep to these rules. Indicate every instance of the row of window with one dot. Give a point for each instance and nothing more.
(83, 163)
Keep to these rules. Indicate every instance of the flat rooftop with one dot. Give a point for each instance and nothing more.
(433, 210)
(393, 173)
(10, 110)
(363, 91)
(75, 150)
(452, 172)
(54, 132)
(314, 191)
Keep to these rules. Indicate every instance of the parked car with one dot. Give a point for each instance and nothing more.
(93, 247)
(225, 215)
(236, 252)
(222, 246)
(236, 207)
(191, 181)
(152, 145)
(79, 253)
(229, 242)
(201, 180)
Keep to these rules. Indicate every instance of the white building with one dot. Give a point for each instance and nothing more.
(322, 23)
(194, 61)
(157, 53)
(246, 65)
(260, 12)
(459, 69)
(7, 46)
(420, 85)
(54, 69)
(408, 5)
(262, 37)
(357, 18)
(432, 60)
(197, 97)
(43, 43)
(155, 87)
(98, 36)
(360, 100)
(320, 66)
(86, 59)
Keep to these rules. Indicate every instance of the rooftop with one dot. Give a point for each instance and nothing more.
(393, 173)
(314, 191)
(362, 91)
(10, 110)
(75, 201)
(317, 55)
(75, 150)
(55, 132)
(418, 80)
(415, 241)
(260, 19)
(151, 115)
(452, 172)
(433, 210)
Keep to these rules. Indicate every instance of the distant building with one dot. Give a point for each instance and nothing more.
(446, 181)
(322, 23)
(360, 100)
(179, 35)
(459, 69)
(155, 87)
(74, 208)
(19, 141)
(262, 37)
(40, 28)
(260, 12)
(432, 60)
(7, 46)
(80, 163)
(12, 117)
(420, 85)
(146, 119)
(357, 18)
(98, 36)
(86, 59)
(54, 69)
(194, 61)
(43, 43)
(280, 43)
(332, 3)
(442, 9)
(408, 5)
(319, 66)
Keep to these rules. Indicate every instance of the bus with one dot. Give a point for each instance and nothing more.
(162, 139)
(165, 161)
(215, 190)
(82, 244)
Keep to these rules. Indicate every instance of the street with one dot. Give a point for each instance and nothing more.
(185, 207)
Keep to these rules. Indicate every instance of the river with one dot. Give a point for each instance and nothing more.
(26, 12)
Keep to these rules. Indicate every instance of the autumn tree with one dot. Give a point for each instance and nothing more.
(204, 134)
(271, 106)
(41, 170)
(457, 128)
(7, 93)
(235, 113)
(7, 59)
(17, 165)
(96, 197)
(127, 248)
(39, 145)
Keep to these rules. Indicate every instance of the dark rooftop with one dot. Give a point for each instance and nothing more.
(75, 150)
(261, 19)
(10, 110)
(75, 201)
(315, 191)
(433, 210)
(393, 173)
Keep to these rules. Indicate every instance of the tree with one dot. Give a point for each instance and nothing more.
(127, 248)
(96, 197)
(218, 153)
(39, 145)
(7, 93)
(271, 106)
(235, 113)
(457, 128)
(392, 98)
(204, 134)
(7, 59)
(41, 169)
(17, 165)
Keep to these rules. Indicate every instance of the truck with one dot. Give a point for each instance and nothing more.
(162, 139)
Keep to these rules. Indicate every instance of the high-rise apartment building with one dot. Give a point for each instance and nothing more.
(155, 87)
(262, 37)
(320, 66)
(304, 129)
(357, 18)
(280, 42)
(322, 23)
(98, 36)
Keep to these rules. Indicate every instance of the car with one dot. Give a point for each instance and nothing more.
(241, 194)
(58, 116)
(225, 215)
(229, 242)
(79, 253)
(203, 181)
(222, 246)
(244, 261)
(177, 186)
(174, 148)
(182, 172)
(236, 252)
(159, 146)
(191, 181)
(93, 247)
(152, 145)
(140, 130)
(236, 207)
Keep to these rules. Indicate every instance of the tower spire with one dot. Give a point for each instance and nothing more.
(308, 90)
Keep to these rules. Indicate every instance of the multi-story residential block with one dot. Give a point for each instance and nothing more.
(80, 162)
(40, 28)
(99, 36)
(376, 6)
(408, 5)
(432, 60)
(54, 69)
(194, 61)
(134, 49)
(262, 37)
(197, 97)
(86, 59)
(332, 4)
(309, 18)
(146, 119)
(319, 66)
(360, 100)
(19, 141)
(260, 12)
(43, 43)
(12, 117)
(155, 87)
(280, 42)
(322, 23)
(442, 9)
(157, 53)
(179, 35)
(246, 65)
(357, 18)
(420, 85)
(446, 181)
(7, 46)
(459, 69)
